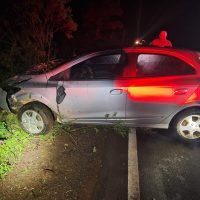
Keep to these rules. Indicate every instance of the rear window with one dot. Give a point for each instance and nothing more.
(162, 65)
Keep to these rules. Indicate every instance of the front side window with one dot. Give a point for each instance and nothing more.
(99, 67)
(161, 65)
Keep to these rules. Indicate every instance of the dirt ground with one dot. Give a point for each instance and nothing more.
(84, 165)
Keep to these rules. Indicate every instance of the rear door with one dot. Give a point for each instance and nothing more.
(161, 85)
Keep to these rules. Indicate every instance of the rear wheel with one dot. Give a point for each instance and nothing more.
(187, 126)
(35, 118)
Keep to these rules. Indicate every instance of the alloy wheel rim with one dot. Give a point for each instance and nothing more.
(32, 121)
(189, 127)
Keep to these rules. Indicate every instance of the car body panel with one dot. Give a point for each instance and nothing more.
(84, 103)
(107, 99)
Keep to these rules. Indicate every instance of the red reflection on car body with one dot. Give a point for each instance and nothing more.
(161, 89)
(194, 97)
(149, 93)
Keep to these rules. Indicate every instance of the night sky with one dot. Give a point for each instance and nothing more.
(145, 19)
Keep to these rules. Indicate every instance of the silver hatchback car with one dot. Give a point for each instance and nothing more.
(140, 86)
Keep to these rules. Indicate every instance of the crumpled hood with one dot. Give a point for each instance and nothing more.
(17, 79)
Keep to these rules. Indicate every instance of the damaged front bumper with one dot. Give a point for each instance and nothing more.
(3, 100)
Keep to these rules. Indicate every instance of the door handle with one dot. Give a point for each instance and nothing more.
(116, 91)
(180, 91)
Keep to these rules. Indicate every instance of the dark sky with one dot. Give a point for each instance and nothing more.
(145, 18)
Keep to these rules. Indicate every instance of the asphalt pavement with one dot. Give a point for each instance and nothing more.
(168, 169)
(113, 178)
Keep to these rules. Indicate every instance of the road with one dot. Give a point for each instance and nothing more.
(113, 178)
(168, 169)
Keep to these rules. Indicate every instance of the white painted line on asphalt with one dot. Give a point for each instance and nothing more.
(133, 174)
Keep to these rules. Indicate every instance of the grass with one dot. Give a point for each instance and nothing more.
(13, 141)
(120, 128)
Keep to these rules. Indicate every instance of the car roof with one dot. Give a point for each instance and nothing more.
(160, 49)
(181, 53)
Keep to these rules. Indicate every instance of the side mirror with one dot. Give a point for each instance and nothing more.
(60, 94)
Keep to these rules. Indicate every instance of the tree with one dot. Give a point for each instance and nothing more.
(31, 27)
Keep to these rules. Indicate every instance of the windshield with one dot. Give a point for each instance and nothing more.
(45, 67)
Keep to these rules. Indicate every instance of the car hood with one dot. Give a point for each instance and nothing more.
(16, 80)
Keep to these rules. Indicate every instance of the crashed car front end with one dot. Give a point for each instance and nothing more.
(8, 90)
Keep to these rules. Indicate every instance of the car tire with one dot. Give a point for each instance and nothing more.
(186, 126)
(35, 118)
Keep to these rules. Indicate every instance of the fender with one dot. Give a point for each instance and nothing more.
(19, 99)
(170, 118)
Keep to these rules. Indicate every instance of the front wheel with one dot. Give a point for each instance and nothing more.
(187, 126)
(35, 118)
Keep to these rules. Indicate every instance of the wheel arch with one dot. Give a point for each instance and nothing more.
(193, 108)
(17, 101)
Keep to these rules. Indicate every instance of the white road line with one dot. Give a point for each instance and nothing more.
(133, 174)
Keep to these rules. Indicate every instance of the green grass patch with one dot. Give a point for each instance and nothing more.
(121, 129)
(13, 140)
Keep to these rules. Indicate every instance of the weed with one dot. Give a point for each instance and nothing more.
(120, 128)
(14, 142)
(53, 133)
(118, 125)
(4, 133)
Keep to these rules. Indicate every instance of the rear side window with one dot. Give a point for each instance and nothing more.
(161, 65)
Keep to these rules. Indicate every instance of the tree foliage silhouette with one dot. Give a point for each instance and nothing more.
(30, 28)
